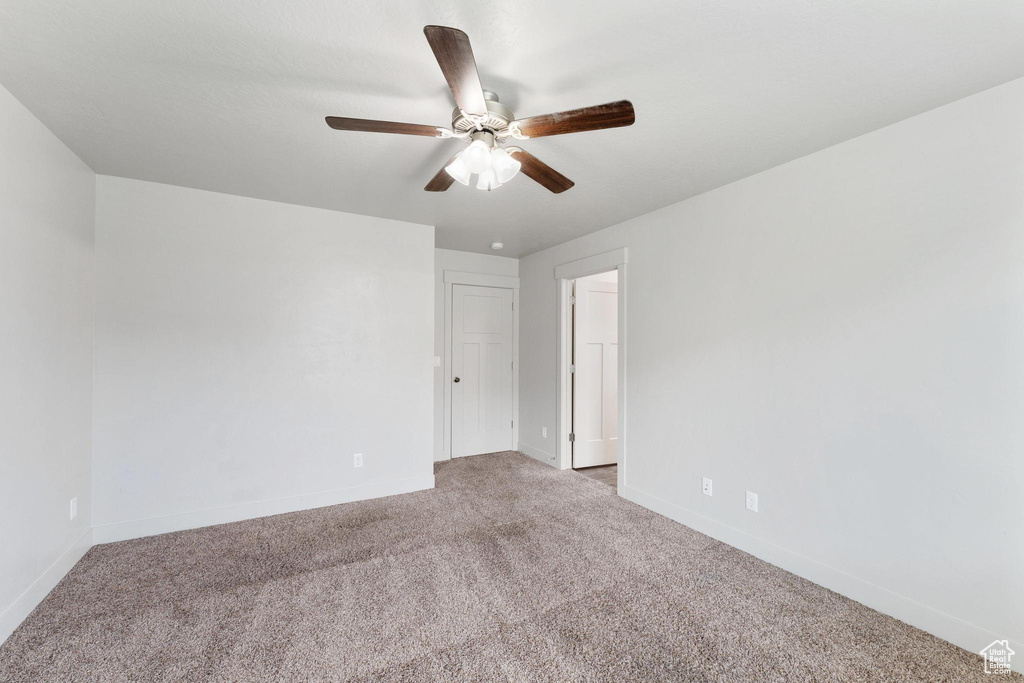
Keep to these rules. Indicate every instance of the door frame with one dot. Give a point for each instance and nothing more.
(564, 274)
(455, 277)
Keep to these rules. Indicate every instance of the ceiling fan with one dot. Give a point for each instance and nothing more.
(487, 124)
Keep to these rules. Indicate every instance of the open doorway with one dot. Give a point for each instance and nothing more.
(593, 373)
(610, 267)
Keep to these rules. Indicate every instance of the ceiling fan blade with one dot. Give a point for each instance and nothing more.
(541, 172)
(371, 126)
(611, 115)
(455, 56)
(442, 180)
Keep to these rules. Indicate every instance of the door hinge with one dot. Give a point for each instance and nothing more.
(513, 424)
(572, 300)
(572, 369)
(572, 437)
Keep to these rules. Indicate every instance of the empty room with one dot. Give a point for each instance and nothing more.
(519, 341)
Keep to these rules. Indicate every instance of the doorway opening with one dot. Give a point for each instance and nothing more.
(591, 368)
(593, 373)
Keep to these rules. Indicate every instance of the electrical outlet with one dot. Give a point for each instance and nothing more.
(706, 487)
(73, 508)
(437, 361)
(357, 460)
(544, 432)
(751, 501)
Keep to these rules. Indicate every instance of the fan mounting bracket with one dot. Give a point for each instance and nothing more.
(497, 118)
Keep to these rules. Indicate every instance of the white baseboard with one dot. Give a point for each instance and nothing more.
(537, 454)
(41, 587)
(960, 633)
(123, 531)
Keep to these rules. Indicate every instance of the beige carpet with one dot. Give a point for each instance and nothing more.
(508, 570)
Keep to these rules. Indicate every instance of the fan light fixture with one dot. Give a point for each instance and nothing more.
(504, 166)
(487, 180)
(492, 165)
(477, 156)
(457, 169)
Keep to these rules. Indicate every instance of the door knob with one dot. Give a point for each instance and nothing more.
(456, 379)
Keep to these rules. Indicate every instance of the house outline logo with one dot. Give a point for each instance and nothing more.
(997, 657)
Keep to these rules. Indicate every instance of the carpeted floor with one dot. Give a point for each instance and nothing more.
(508, 570)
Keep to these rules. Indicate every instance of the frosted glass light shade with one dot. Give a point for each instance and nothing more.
(457, 169)
(487, 180)
(504, 166)
(477, 156)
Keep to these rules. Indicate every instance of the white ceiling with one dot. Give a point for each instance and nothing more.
(230, 95)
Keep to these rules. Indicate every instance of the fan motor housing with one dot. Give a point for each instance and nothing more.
(498, 116)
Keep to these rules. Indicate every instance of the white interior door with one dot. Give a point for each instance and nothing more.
(595, 380)
(481, 370)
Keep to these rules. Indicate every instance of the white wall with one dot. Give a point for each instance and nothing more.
(246, 349)
(47, 198)
(463, 262)
(843, 335)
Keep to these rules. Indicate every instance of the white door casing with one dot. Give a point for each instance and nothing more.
(482, 357)
(595, 393)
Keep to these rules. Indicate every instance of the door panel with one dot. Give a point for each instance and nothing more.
(595, 382)
(591, 410)
(470, 387)
(493, 379)
(482, 361)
